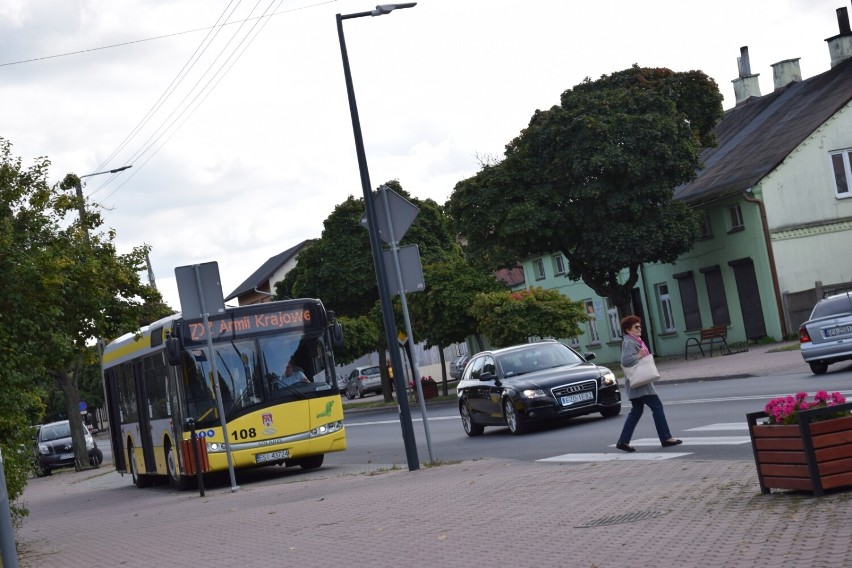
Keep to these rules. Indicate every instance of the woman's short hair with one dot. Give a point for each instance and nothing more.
(629, 321)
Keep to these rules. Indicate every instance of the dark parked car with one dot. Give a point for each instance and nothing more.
(53, 448)
(536, 382)
(457, 366)
(826, 337)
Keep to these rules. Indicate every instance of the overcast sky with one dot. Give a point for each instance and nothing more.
(240, 136)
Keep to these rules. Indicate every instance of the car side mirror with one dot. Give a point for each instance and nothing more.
(589, 356)
(487, 377)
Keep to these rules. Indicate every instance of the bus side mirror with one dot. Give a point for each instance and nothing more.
(337, 335)
(173, 350)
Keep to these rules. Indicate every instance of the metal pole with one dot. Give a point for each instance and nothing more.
(7, 535)
(378, 259)
(211, 361)
(415, 367)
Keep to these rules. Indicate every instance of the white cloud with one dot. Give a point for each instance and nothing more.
(261, 160)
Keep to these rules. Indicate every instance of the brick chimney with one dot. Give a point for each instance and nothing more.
(746, 85)
(785, 72)
(840, 46)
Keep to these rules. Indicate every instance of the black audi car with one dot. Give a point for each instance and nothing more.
(535, 382)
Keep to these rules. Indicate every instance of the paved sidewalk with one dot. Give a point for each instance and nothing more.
(668, 513)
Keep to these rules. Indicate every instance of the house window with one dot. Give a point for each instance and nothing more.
(736, 218)
(592, 323)
(575, 342)
(613, 319)
(706, 226)
(716, 295)
(538, 267)
(558, 264)
(665, 303)
(840, 162)
(689, 300)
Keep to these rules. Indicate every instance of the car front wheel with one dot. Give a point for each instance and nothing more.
(611, 411)
(513, 420)
(470, 427)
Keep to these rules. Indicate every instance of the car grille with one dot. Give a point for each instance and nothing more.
(577, 388)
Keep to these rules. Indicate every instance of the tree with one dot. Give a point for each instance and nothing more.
(510, 318)
(338, 268)
(62, 285)
(594, 178)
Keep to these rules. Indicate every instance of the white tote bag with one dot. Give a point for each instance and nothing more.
(642, 373)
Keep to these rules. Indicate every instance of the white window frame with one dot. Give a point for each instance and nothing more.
(538, 269)
(558, 264)
(665, 307)
(736, 215)
(706, 226)
(842, 169)
(592, 323)
(614, 320)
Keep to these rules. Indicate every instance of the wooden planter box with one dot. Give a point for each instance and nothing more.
(809, 456)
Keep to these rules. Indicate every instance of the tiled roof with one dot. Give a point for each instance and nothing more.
(756, 136)
(267, 269)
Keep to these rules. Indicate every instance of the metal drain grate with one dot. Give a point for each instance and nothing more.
(618, 519)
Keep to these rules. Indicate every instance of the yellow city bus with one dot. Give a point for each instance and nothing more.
(157, 379)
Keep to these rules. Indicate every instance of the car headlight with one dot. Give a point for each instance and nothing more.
(534, 393)
(43, 449)
(608, 379)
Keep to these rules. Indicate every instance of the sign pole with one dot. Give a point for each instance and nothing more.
(211, 361)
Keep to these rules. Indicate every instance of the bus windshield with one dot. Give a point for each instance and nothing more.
(254, 373)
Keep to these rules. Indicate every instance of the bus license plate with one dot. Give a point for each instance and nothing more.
(569, 400)
(272, 456)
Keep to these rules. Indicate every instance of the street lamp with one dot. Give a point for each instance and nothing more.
(82, 203)
(375, 244)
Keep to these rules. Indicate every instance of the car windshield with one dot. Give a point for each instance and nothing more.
(536, 357)
(833, 306)
(55, 431)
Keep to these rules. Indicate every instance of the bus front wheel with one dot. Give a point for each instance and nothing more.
(311, 462)
(176, 480)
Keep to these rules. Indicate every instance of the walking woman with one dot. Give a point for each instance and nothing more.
(633, 349)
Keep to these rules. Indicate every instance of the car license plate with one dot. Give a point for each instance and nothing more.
(272, 456)
(574, 398)
(66, 456)
(841, 330)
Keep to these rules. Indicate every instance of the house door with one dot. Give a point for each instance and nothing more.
(755, 325)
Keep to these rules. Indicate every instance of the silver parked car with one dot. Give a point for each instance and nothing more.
(363, 380)
(826, 337)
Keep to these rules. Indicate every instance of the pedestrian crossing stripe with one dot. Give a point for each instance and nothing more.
(701, 441)
(620, 456)
(723, 427)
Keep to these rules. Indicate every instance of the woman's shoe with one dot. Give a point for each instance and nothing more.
(671, 442)
(625, 447)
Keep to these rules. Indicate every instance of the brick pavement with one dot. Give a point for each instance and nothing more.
(678, 513)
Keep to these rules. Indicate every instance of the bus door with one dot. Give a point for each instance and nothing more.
(114, 417)
(144, 419)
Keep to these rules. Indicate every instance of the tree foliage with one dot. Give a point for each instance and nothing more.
(594, 177)
(62, 285)
(510, 318)
(441, 314)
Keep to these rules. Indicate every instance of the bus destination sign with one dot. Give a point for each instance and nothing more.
(235, 325)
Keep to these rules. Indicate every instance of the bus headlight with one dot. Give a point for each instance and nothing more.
(327, 429)
(216, 447)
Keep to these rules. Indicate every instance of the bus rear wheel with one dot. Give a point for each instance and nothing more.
(139, 480)
(176, 480)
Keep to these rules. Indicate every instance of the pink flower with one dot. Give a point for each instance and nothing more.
(785, 409)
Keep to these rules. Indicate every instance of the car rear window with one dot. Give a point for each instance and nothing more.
(370, 371)
(833, 306)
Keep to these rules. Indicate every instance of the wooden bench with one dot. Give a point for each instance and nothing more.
(712, 336)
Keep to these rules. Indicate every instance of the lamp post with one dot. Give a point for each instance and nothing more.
(375, 244)
(82, 202)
